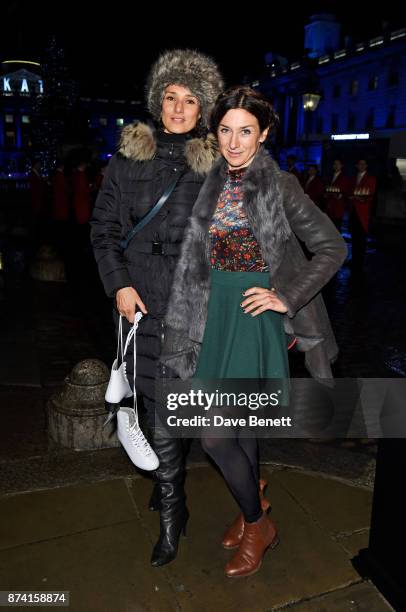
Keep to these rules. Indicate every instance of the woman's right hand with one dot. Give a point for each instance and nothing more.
(127, 300)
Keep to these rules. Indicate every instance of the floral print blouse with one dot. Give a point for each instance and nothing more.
(234, 246)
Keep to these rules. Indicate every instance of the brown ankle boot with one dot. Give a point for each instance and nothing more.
(233, 534)
(257, 537)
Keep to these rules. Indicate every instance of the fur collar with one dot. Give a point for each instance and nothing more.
(138, 142)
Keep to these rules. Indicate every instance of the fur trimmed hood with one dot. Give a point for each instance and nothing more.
(138, 142)
(190, 69)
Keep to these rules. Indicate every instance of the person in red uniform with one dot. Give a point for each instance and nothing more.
(60, 208)
(362, 190)
(336, 193)
(81, 192)
(80, 255)
(39, 204)
(314, 186)
(38, 187)
(60, 194)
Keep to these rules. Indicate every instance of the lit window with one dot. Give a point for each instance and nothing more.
(120, 121)
(25, 118)
(373, 83)
(354, 87)
(103, 121)
(9, 118)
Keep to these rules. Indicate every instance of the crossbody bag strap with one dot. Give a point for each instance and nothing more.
(151, 214)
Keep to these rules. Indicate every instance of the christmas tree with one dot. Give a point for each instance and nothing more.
(52, 109)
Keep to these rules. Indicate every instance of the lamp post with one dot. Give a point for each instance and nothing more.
(310, 104)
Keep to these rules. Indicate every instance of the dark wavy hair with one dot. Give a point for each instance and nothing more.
(249, 100)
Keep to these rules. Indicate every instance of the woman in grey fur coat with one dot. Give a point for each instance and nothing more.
(181, 90)
(242, 282)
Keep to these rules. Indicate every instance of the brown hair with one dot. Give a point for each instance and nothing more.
(248, 99)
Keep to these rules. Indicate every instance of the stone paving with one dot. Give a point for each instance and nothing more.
(78, 521)
(94, 540)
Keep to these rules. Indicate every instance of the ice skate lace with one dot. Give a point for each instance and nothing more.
(135, 431)
(138, 439)
(131, 334)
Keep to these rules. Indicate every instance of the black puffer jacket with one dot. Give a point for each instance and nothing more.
(137, 176)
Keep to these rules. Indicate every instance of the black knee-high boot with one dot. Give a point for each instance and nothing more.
(169, 482)
(154, 500)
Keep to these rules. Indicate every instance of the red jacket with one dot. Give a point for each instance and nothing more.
(82, 206)
(336, 200)
(365, 191)
(60, 197)
(315, 190)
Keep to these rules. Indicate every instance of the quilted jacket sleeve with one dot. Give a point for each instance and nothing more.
(321, 238)
(106, 231)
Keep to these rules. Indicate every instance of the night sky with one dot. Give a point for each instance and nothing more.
(109, 47)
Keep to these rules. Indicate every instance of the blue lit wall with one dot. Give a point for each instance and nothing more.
(363, 89)
(374, 100)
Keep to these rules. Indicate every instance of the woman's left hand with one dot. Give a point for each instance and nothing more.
(260, 299)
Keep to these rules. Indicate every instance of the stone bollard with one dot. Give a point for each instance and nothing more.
(76, 413)
(47, 266)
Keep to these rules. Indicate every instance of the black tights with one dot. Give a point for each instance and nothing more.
(237, 459)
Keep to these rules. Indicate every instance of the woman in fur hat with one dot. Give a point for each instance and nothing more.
(181, 90)
(241, 283)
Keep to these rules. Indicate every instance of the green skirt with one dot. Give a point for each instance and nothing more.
(238, 345)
